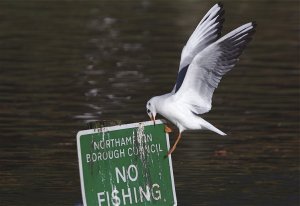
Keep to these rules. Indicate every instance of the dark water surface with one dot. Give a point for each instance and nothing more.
(64, 63)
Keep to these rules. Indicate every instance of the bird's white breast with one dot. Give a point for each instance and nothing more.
(178, 113)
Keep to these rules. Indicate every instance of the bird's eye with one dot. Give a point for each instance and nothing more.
(148, 111)
(149, 104)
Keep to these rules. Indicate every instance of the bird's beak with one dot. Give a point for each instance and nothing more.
(153, 119)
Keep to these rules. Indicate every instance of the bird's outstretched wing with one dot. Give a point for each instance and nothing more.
(207, 32)
(208, 67)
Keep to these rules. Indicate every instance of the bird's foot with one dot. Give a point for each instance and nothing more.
(168, 129)
(174, 146)
(171, 150)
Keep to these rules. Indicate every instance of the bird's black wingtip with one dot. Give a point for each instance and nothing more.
(220, 4)
(220, 14)
(254, 24)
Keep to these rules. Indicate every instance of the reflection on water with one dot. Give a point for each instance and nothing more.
(65, 64)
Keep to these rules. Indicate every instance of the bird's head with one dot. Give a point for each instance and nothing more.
(151, 111)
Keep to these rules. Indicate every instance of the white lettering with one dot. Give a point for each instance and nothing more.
(126, 195)
(156, 192)
(132, 178)
(122, 175)
(88, 158)
(115, 199)
(128, 140)
(100, 200)
(130, 195)
(146, 195)
(129, 151)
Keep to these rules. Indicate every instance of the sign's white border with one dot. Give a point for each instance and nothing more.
(113, 128)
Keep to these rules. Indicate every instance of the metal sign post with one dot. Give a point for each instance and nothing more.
(126, 165)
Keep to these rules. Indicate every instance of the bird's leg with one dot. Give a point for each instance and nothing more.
(167, 129)
(174, 146)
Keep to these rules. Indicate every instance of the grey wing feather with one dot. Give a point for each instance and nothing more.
(208, 67)
(207, 32)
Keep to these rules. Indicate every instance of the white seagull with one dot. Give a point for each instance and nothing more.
(204, 60)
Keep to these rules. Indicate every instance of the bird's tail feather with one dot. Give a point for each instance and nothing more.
(209, 126)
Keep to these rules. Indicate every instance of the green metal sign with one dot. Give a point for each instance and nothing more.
(126, 165)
